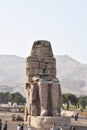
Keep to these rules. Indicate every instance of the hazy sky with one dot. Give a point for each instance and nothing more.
(62, 22)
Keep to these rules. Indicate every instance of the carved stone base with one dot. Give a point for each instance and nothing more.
(45, 122)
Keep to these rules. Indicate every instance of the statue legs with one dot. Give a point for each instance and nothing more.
(43, 94)
(54, 98)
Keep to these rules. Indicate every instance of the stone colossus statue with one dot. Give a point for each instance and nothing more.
(43, 92)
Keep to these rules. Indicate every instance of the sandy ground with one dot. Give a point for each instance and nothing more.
(12, 125)
(81, 124)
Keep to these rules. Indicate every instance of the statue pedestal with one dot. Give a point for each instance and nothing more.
(45, 122)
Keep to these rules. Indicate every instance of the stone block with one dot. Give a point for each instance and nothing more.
(53, 73)
(29, 78)
(37, 72)
(47, 72)
(45, 123)
(42, 65)
(49, 66)
(35, 65)
(29, 65)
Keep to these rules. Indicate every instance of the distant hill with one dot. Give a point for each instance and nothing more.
(71, 73)
(12, 73)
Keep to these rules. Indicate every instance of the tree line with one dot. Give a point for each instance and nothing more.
(12, 97)
(68, 99)
(71, 99)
